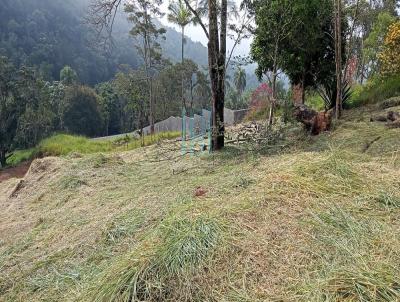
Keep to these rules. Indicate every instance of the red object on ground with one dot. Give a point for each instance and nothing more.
(200, 192)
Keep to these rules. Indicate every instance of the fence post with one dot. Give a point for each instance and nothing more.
(183, 131)
(191, 134)
(210, 134)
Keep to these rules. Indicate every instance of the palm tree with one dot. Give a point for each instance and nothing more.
(182, 16)
(240, 80)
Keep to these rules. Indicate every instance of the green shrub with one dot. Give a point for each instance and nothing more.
(315, 101)
(375, 91)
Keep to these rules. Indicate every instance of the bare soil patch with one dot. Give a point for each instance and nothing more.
(15, 172)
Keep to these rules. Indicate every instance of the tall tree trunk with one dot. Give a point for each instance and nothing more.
(3, 158)
(274, 76)
(362, 61)
(191, 95)
(273, 101)
(147, 66)
(182, 72)
(213, 56)
(220, 138)
(303, 88)
(350, 44)
(151, 107)
(338, 58)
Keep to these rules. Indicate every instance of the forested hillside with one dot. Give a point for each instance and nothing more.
(50, 34)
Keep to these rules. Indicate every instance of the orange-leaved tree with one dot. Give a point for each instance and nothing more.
(389, 57)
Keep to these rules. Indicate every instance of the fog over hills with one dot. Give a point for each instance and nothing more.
(50, 34)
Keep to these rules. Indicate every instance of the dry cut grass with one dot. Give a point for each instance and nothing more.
(317, 222)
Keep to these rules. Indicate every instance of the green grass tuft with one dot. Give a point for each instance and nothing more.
(187, 244)
(347, 264)
(126, 225)
(164, 268)
(19, 156)
(389, 199)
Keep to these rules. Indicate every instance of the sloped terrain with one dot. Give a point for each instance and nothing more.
(318, 221)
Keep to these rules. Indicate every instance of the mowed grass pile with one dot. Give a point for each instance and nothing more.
(64, 144)
(317, 222)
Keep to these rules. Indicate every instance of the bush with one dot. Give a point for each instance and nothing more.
(82, 114)
(315, 101)
(375, 91)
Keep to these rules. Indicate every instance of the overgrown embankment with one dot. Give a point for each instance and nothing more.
(317, 222)
(65, 144)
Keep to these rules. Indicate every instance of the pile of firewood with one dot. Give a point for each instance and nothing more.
(255, 133)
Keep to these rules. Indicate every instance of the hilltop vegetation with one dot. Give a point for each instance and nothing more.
(316, 221)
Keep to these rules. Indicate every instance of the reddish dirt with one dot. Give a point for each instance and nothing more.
(15, 172)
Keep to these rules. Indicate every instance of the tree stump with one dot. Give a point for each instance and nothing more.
(315, 122)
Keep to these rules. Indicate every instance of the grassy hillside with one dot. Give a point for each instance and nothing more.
(318, 221)
(65, 144)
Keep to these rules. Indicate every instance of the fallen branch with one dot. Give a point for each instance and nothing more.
(369, 144)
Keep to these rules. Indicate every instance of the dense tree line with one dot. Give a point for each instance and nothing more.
(32, 108)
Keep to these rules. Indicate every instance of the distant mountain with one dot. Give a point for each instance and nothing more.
(50, 34)
(171, 45)
(193, 50)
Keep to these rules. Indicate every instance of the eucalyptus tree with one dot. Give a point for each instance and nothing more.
(338, 56)
(142, 14)
(275, 22)
(216, 34)
(131, 86)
